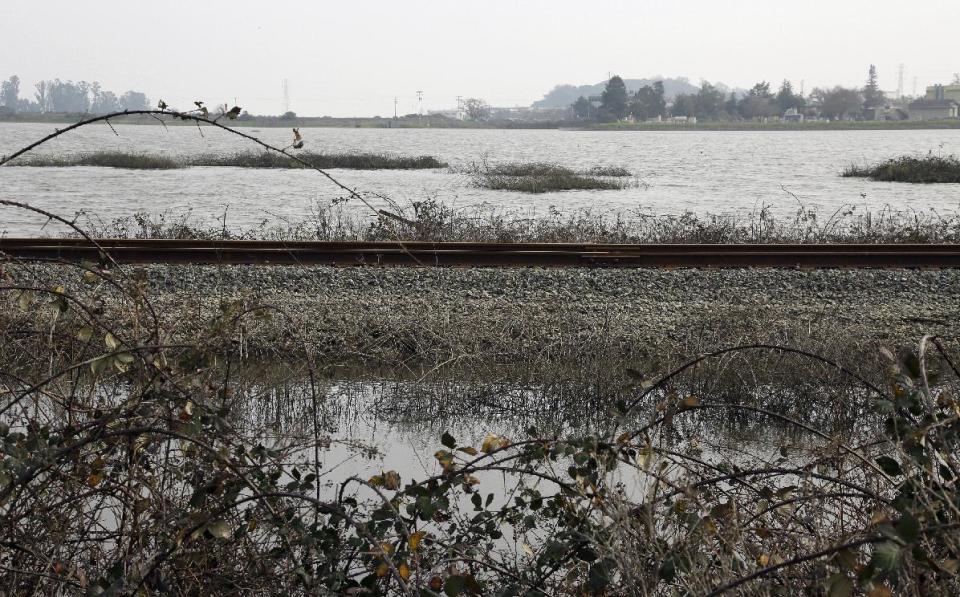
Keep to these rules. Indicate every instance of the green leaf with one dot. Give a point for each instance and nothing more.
(598, 578)
(454, 585)
(886, 556)
(908, 528)
(889, 466)
(846, 559)
(839, 585)
(85, 333)
(448, 440)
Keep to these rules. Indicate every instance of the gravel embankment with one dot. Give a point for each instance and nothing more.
(541, 316)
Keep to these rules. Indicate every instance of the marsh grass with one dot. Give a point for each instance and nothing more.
(924, 170)
(104, 159)
(433, 220)
(543, 177)
(350, 161)
(246, 159)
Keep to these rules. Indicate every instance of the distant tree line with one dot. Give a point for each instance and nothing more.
(713, 104)
(67, 96)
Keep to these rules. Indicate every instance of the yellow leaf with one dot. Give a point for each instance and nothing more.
(383, 569)
(643, 456)
(492, 443)
(691, 402)
(111, 342)
(90, 277)
(25, 299)
(404, 571)
(469, 450)
(85, 333)
(391, 480)
(94, 479)
(415, 540)
(763, 560)
(386, 548)
(880, 591)
(219, 529)
(526, 548)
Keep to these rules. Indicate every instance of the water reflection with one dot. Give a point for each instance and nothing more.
(401, 421)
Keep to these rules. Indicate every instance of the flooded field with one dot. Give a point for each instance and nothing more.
(673, 172)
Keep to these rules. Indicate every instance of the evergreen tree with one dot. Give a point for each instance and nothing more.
(709, 101)
(581, 108)
(732, 107)
(872, 96)
(684, 105)
(787, 99)
(649, 102)
(614, 98)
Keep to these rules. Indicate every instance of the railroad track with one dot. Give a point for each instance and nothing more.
(458, 254)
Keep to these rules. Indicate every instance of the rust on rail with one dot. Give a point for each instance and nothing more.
(469, 254)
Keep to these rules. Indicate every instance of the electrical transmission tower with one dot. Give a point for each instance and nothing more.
(900, 81)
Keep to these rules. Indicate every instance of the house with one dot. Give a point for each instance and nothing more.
(943, 92)
(792, 115)
(934, 109)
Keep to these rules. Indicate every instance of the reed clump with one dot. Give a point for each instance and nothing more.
(929, 169)
(103, 159)
(349, 161)
(543, 177)
(245, 159)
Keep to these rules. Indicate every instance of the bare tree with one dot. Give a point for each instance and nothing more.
(477, 109)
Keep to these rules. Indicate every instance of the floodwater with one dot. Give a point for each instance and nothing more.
(372, 426)
(676, 172)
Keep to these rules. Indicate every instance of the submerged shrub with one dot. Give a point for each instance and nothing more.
(928, 169)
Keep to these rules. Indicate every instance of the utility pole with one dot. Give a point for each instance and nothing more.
(900, 81)
(286, 96)
(395, 100)
(420, 104)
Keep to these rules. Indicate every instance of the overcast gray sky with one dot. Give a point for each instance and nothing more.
(347, 58)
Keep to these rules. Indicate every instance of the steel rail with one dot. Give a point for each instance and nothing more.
(467, 254)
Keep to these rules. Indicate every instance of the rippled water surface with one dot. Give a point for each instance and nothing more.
(677, 171)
